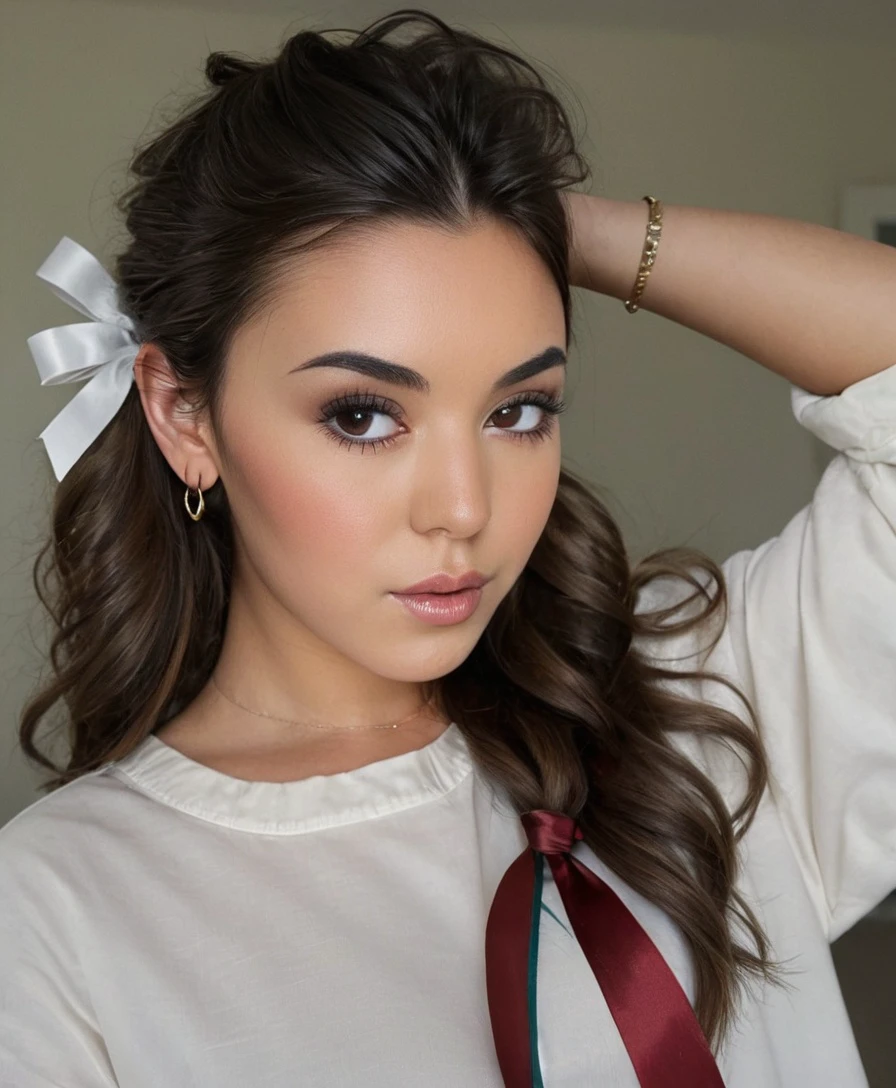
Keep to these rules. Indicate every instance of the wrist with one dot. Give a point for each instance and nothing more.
(608, 239)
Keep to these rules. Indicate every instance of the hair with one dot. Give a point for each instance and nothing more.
(410, 119)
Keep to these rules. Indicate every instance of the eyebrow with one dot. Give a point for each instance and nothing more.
(386, 371)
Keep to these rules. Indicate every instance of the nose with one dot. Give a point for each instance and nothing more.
(452, 487)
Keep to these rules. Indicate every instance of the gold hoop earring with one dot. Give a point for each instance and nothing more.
(200, 509)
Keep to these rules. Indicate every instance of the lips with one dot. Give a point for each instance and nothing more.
(445, 583)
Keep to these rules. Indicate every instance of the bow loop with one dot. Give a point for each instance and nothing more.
(78, 278)
(550, 832)
(101, 352)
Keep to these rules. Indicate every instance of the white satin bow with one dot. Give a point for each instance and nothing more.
(102, 350)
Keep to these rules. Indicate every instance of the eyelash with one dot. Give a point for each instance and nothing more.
(370, 402)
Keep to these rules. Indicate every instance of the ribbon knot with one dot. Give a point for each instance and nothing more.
(550, 832)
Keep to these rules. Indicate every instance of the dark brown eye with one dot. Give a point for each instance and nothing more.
(351, 420)
(354, 422)
(361, 419)
(510, 415)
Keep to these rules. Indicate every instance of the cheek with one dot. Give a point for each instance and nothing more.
(293, 519)
(522, 506)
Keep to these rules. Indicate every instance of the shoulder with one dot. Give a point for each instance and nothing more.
(50, 828)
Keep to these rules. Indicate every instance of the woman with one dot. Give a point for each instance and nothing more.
(386, 767)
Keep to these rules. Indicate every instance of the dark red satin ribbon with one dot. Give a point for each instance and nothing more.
(661, 1033)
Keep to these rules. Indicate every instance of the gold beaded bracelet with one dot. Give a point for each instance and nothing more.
(648, 256)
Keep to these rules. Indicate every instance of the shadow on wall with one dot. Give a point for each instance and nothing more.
(865, 959)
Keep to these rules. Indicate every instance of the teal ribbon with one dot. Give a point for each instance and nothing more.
(532, 977)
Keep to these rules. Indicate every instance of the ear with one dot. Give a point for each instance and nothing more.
(183, 435)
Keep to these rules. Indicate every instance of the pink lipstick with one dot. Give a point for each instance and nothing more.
(443, 599)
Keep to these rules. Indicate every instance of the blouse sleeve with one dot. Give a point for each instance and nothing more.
(812, 627)
(48, 1034)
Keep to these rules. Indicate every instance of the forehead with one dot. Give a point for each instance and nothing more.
(415, 293)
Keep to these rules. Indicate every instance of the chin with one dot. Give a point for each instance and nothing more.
(431, 663)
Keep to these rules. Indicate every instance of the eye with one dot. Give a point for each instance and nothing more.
(347, 419)
(542, 407)
(536, 411)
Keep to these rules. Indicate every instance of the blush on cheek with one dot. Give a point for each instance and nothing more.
(526, 507)
(321, 521)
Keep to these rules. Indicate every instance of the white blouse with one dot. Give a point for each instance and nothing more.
(162, 923)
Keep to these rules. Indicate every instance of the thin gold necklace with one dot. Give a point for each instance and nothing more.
(318, 725)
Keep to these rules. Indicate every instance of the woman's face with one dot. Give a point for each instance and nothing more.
(345, 487)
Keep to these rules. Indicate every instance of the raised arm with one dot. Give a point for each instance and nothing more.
(813, 304)
(811, 632)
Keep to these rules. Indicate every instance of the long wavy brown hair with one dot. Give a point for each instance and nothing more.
(406, 119)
